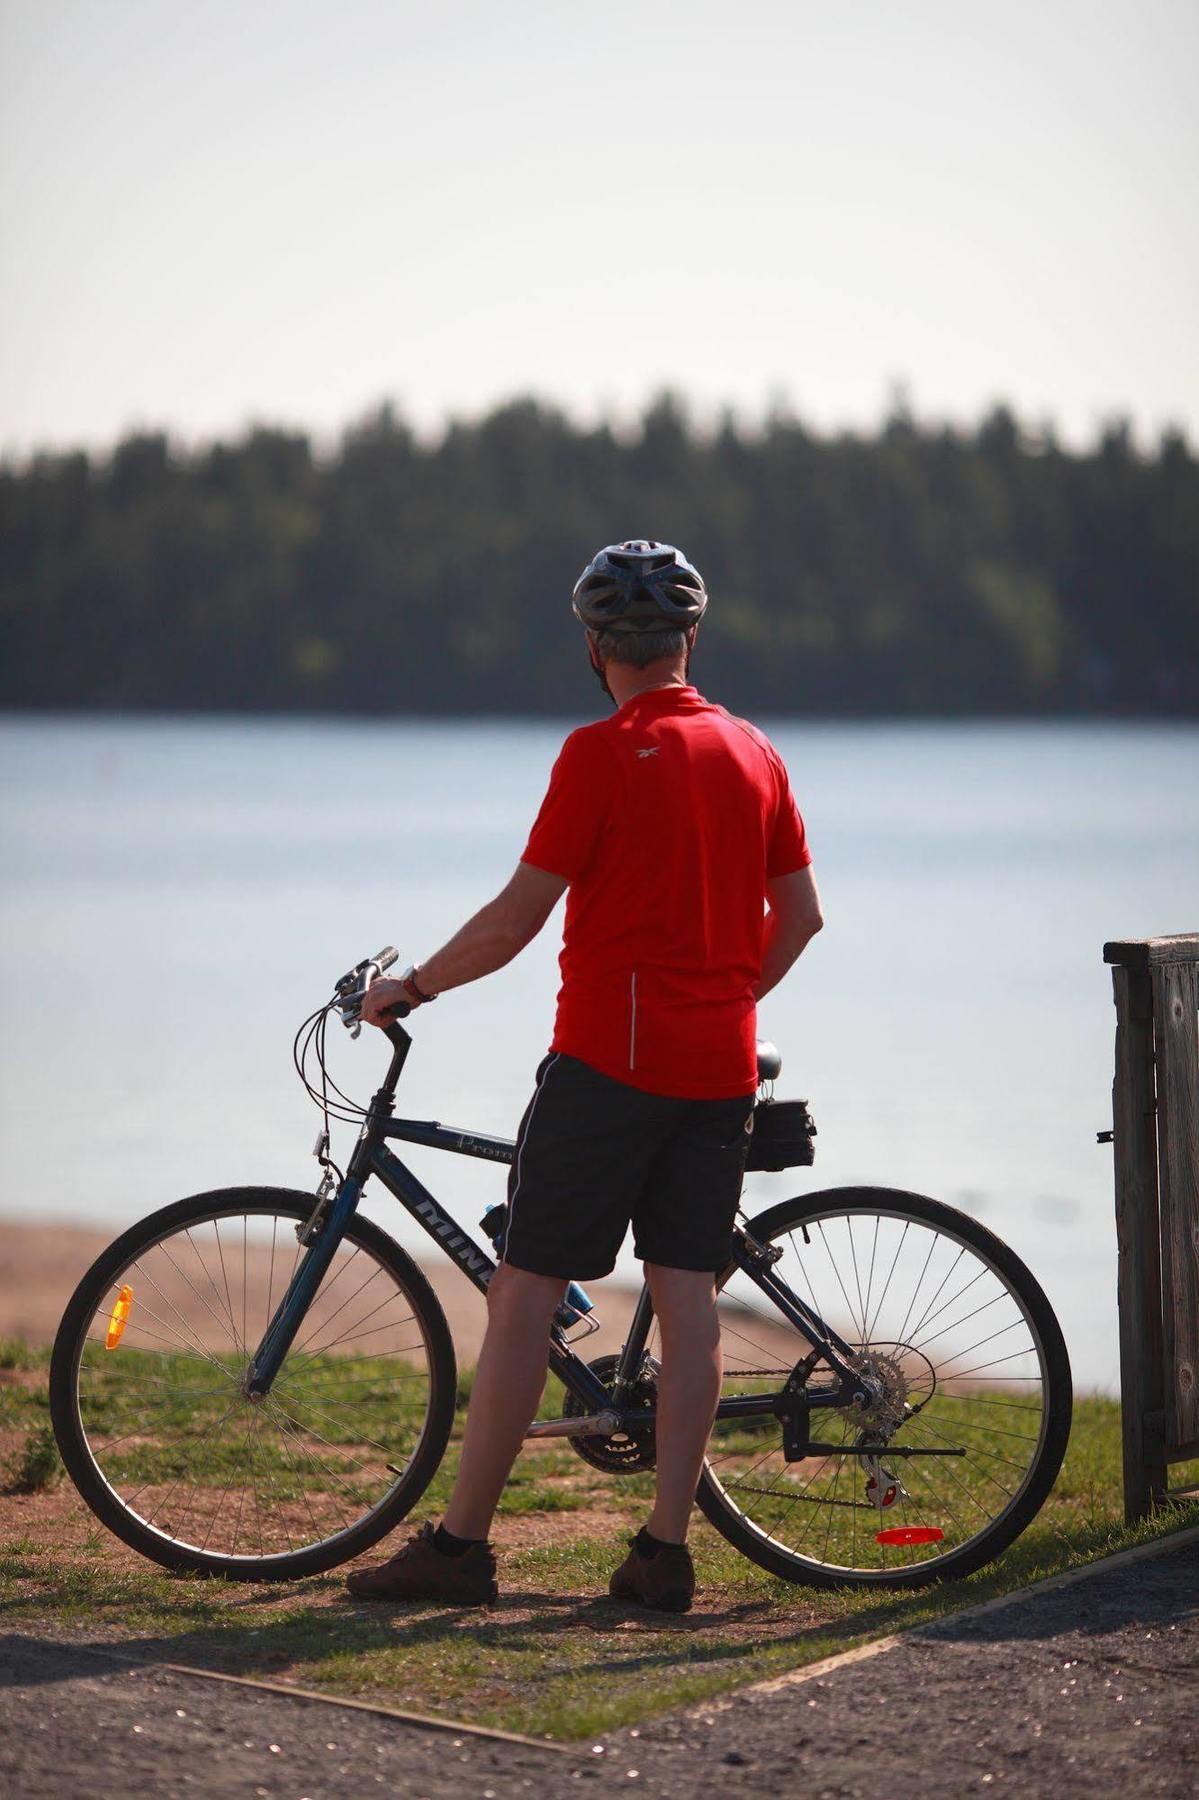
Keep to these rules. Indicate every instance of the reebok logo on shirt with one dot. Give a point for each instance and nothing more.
(652, 752)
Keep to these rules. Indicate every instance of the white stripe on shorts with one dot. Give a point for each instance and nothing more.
(520, 1150)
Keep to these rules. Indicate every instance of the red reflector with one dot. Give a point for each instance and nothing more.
(910, 1534)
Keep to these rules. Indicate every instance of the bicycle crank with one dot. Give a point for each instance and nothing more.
(628, 1447)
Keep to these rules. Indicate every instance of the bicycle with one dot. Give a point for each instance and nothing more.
(281, 1425)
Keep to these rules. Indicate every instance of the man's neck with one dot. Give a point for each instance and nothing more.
(624, 681)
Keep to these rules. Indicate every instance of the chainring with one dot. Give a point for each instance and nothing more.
(625, 1452)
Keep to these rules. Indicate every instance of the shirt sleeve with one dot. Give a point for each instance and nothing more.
(576, 809)
(788, 847)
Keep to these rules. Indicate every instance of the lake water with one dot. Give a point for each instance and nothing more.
(178, 894)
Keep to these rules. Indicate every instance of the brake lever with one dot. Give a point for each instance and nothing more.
(352, 994)
(348, 1006)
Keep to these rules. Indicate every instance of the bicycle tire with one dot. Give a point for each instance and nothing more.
(288, 1565)
(790, 1216)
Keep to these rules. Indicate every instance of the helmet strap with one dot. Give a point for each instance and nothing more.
(598, 666)
(690, 636)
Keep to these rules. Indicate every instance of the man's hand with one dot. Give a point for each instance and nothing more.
(380, 999)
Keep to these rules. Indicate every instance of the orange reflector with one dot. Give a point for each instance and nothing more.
(910, 1534)
(119, 1319)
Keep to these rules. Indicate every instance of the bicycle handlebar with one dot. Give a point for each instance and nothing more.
(351, 989)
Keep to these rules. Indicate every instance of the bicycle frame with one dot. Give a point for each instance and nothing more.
(371, 1156)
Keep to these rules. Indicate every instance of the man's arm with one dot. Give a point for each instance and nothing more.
(793, 919)
(497, 933)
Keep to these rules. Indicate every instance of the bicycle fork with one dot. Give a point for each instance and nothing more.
(280, 1334)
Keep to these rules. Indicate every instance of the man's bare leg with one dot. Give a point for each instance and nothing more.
(509, 1382)
(688, 1389)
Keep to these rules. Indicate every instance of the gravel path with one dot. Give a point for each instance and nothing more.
(1091, 1688)
(1088, 1687)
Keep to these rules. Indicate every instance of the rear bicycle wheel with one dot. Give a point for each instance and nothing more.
(155, 1432)
(971, 1366)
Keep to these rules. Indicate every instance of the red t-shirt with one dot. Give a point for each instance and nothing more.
(666, 819)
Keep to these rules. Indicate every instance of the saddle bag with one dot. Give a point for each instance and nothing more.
(781, 1137)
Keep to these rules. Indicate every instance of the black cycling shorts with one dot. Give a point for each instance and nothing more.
(593, 1154)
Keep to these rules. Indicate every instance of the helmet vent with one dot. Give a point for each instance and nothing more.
(644, 561)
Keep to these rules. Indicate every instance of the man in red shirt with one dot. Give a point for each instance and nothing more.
(672, 829)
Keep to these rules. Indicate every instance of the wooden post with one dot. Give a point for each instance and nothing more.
(1176, 1049)
(1139, 1285)
(1155, 1117)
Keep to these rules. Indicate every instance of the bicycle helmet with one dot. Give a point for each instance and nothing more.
(639, 586)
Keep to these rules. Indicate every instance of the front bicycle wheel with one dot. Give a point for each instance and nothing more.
(968, 1427)
(157, 1435)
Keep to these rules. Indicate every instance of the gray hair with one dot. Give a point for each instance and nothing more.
(638, 649)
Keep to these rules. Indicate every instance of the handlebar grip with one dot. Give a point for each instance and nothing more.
(384, 958)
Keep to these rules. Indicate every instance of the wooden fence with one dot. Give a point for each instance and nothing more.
(1155, 1132)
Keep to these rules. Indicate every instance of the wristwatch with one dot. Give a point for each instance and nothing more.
(408, 980)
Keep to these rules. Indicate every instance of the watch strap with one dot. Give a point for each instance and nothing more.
(408, 980)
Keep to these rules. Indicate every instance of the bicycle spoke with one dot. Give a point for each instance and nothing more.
(919, 1325)
(218, 1320)
(759, 1349)
(193, 1337)
(303, 1485)
(392, 1325)
(927, 1319)
(965, 1320)
(373, 1276)
(325, 1414)
(857, 1279)
(870, 1332)
(902, 1333)
(870, 1285)
(241, 1500)
(270, 1283)
(288, 1426)
(208, 1274)
(837, 1273)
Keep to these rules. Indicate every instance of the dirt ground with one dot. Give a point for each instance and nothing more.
(55, 1520)
(1067, 1692)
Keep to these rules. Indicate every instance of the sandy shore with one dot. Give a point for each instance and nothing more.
(41, 1264)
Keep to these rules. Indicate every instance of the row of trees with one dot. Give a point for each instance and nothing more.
(916, 570)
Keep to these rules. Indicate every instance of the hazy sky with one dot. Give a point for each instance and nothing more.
(238, 209)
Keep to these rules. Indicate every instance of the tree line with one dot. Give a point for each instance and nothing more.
(914, 570)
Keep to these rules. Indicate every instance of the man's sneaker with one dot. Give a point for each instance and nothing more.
(420, 1571)
(665, 1581)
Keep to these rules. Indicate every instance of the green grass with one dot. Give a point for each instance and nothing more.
(16, 1354)
(38, 1465)
(557, 1657)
